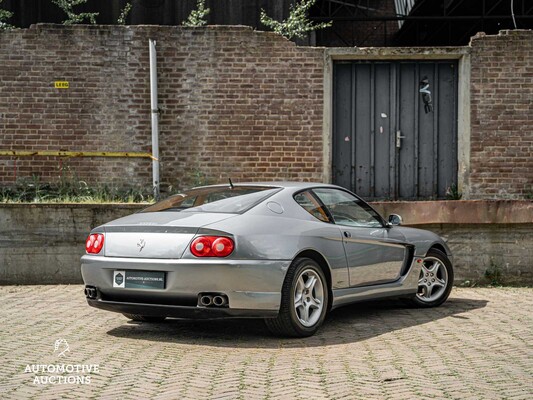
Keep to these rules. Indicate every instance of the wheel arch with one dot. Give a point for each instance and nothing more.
(321, 261)
(437, 246)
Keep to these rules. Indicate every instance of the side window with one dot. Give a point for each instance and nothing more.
(313, 207)
(347, 209)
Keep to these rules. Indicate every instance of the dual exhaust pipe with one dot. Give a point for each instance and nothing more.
(212, 300)
(90, 292)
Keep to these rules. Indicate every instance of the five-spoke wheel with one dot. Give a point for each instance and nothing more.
(304, 300)
(309, 297)
(435, 280)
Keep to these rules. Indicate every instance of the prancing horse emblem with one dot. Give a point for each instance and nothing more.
(141, 245)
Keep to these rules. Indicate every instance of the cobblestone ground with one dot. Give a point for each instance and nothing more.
(479, 345)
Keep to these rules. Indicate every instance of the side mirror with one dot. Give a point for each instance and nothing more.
(395, 219)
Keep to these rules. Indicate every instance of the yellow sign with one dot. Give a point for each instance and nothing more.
(61, 84)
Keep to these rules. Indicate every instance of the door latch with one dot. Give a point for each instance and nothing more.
(399, 138)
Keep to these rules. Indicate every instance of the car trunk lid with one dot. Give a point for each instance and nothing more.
(155, 234)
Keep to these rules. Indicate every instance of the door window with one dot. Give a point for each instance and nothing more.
(347, 209)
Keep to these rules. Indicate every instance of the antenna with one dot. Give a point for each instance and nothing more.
(230, 183)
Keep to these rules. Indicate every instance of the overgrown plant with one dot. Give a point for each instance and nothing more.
(4, 16)
(197, 17)
(70, 190)
(124, 14)
(74, 18)
(494, 274)
(199, 178)
(453, 193)
(298, 24)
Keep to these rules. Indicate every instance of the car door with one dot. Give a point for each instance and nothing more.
(373, 257)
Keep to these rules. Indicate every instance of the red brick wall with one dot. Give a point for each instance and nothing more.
(235, 103)
(501, 163)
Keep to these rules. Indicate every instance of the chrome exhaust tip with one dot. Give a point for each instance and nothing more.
(219, 301)
(206, 300)
(91, 292)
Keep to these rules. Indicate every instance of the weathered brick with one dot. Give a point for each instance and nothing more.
(220, 89)
(501, 107)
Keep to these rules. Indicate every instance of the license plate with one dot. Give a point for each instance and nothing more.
(139, 279)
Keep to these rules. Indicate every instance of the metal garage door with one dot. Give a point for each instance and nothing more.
(395, 128)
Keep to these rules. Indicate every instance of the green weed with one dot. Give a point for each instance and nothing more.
(494, 274)
(70, 190)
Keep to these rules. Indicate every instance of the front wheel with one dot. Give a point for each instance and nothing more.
(435, 280)
(304, 300)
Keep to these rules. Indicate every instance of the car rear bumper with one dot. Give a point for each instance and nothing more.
(192, 312)
(252, 287)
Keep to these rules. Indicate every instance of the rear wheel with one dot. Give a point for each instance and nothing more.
(435, 280)
(144, 318)
(304, 300)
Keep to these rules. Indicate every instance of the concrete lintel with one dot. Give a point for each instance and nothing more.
(396, 53)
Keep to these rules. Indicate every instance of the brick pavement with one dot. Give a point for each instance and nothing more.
(479, 345)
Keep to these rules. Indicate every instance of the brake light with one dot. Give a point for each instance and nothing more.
(212, 246)
(94, 243)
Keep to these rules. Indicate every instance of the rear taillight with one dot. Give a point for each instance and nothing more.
(212, 246)
(94, 243)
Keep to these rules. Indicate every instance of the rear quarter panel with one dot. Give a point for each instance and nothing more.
(264, 234)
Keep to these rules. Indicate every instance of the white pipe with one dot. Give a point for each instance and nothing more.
(155, 118)
(512, 14)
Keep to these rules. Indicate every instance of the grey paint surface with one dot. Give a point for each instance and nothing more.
(372, 257)
(373, 103)
(267, 240)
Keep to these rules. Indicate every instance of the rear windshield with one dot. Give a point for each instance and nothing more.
(216, 199)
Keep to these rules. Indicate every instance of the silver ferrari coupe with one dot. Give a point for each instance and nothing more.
(286, 252)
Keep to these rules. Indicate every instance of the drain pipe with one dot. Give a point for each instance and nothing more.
(155, 118)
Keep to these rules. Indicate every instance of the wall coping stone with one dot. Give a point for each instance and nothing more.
(133, 206)
(412, 212)
(460, 211)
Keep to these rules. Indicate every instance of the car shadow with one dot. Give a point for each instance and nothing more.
(348, 324)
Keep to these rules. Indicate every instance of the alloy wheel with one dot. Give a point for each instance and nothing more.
(433, 280)
(309, 297)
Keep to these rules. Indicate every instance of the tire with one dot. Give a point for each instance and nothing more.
(304, 300)
(436, 274)
(144, 318)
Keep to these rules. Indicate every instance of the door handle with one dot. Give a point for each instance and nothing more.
(399, 138)
(347, 234)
